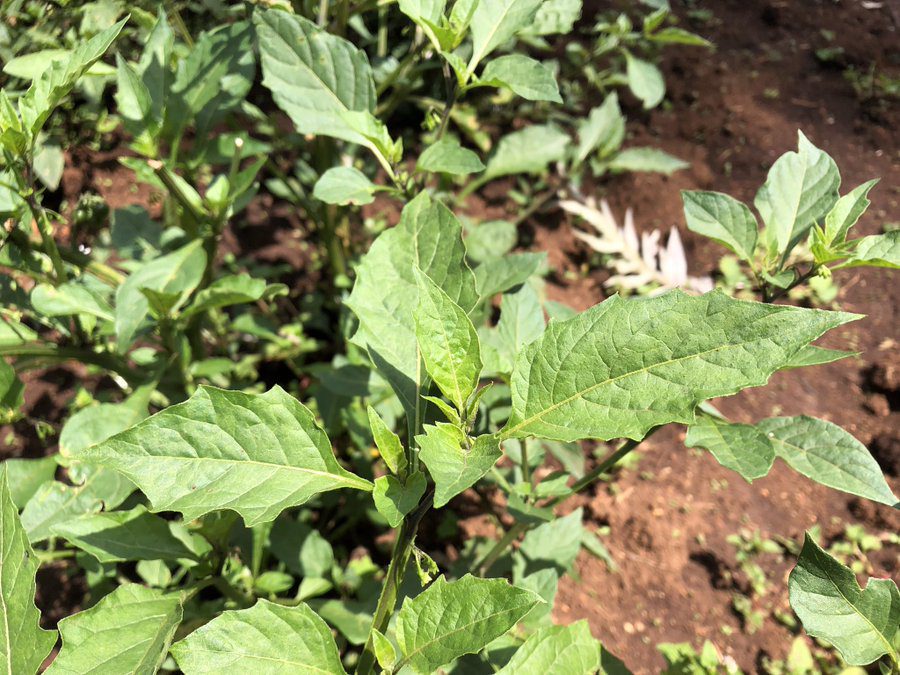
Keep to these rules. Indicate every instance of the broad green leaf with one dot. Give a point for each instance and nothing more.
(554, 17)
(861, 624)
(644, 80)
(667, 354)
(448, 156)
(723, 219)
(14, 332)
(385, 653)
(454, 460)
(450, 619)
(394, 499)
(521, 323)
(255, 454)
(128, 631)
(877, 250)
(502, 274)
(388, 443)
(557, 649)
(602, 130)
(314, 76)
(647, 160)
(672, 35)
(447, 342)
(214, 78)
(56, 502)
(800, 189)
(281, 640)
(344, 185)
(48, 164)
(817, 356)
(554, 544)
(428, 237)
(740, 447)
(429, 16)
(135, 104)
(153, 66)
(234, 289)
(46, 92)
(828, 455)
(302, 549)
(23, 644)
(495, 22)
(31, 66)
(178, 272)
(117, 536)
(27, 475)
(527, 151)
(523, 75)
(69, 299)
(351, 618)
(490, 240)
(846, 211)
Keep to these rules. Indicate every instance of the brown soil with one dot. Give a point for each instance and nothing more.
(670, 517)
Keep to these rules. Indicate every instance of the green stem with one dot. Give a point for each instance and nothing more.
(104, 360)
(49, 243)
(403, 549)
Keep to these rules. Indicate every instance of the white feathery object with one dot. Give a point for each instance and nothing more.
(636, 262)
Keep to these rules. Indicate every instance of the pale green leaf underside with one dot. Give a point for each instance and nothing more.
(448, 156)
(344, 185)
(625, 366)
(450, 619)
(877, 250)
(23, 643)
(645, 81)
(861, 624)
(314, 76)
(523, 75)
(846, 211)
(557, 649)
(723, 219)
(256, 454)
(128, 631)
(266, 639)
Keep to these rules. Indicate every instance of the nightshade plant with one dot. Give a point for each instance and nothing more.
(206, 530)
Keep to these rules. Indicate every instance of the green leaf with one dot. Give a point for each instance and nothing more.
(314, 76)
(602, 130)
(214, 78)
(344, 185)
(385, 653)
(861, 624)
(135, 104)
(846, 212)
(523, 75)
(740, 447)
(557, 649)
(495, 22)
(388, 443)
(877, 250)
(234, 289)
(647, 160)
(669, 353)
(447, 342)
(284, 640)
(12, 396)
(645, 81)
(450, 619)
(69, 299)
(56, 502)
(527, 151)
(125, 535)
(54, 84)
(428, 14)
(27, 475)
(256, 454)
(394, 499)
(448, 156)
(128, 631)
(800, 189)
(554, 544)
(521, 323)
(554, 17)
(828, 455)
(428, 237)
(454, 461)
(723, 219)
(502, 274)
(178, 272)
(23, 644)
(302, 549)
(817, 356)
(48, 164)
